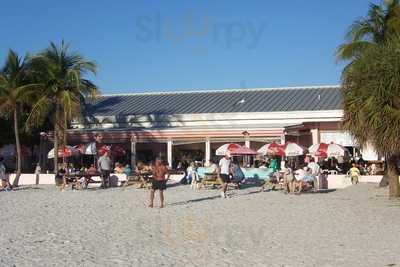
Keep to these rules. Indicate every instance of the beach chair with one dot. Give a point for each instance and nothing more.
(271, 183)
(143, 180)
(210, 180)
(131, 180)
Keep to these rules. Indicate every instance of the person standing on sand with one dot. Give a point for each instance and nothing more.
(105, 165)
(223, 171)
(160, 171)
(5, 183)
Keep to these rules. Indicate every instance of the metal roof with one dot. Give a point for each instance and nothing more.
(313, 98)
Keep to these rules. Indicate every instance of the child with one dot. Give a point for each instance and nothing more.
(354, 174)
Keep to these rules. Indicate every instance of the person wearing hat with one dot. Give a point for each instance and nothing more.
(223, 172)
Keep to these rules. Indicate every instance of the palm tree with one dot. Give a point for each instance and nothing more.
(62, 73)
(14, 85)
(381, 23)
(371, 90)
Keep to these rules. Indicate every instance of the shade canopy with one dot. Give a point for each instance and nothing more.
(272, 149)
(289, 149)
(243, 151)
(226, 149)
(327, 150)
(64, 152)
(87, 149)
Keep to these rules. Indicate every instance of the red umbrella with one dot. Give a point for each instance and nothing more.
(225, 149)
(272, 149)
(327, 150)
(292, 149)
(102, 149)
(63, 152)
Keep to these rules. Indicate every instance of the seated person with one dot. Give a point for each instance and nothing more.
(289, 180)
(213, 168)
(119, 168)
(127, 170)
(237, 173)
(303, 179)
(92, 170)
(147, 168)
(354, 173)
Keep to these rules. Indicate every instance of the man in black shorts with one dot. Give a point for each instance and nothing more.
(161, 175)
(223, 171)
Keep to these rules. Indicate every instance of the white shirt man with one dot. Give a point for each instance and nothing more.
(314, 168)
(224, 170)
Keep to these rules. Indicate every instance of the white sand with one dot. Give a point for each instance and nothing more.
(357, 226)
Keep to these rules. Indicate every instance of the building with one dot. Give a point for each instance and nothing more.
(168, 122)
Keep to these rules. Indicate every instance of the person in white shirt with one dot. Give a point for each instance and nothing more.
(223, 171)
(314, 167)
(303, 177)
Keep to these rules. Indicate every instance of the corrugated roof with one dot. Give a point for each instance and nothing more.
(219, 101)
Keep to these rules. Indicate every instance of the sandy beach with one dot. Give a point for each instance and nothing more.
(357, 226)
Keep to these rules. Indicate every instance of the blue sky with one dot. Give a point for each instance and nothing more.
(158, 45)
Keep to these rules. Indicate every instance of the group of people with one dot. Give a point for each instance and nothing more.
(303, 178)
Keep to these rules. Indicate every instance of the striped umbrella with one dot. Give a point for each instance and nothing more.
(226, 149)
(64, 152)
(327, 150)
(272, 149)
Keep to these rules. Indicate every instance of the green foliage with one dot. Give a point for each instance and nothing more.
(371, 90)
(62, 74)
(381, 24)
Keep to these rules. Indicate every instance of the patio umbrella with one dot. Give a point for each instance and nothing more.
(243, 151)
(64, 152)
(103, 149)
(87, 149)
(227, 148)
(272, 149)
(327, 150)
(291, 149)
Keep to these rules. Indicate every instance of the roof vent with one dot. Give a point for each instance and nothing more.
(241, 102)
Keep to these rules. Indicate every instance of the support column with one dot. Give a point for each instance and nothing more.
(315, 136)
(283, 141)
(133, 152)
(208, 151)
(315, 139)
(247, 143)
(169, 153)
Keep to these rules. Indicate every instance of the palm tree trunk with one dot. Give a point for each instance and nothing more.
(18, 146)
(393, 175)
(56, 121)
